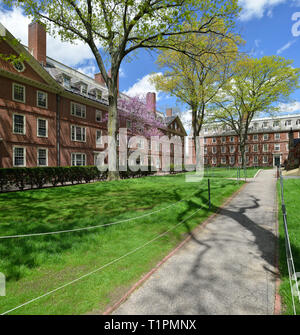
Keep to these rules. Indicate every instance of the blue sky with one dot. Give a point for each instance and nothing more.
(265, 25)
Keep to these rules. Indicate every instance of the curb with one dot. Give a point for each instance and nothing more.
(257, 173)
(201, 227)
(277, 302)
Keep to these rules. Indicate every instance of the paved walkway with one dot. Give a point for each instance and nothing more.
(227, 268)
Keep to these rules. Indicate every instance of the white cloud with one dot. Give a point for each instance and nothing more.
(289, 108)
(257, 8)
(285, 47)
(142, 86)
(70, 54)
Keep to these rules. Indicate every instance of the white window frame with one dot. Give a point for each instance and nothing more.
(82, 110)
(99, 141)
(265, 161)
(37, 154)
(265, 150)
(255, 137)
(37, 99)
(65, 79)
(214, 160)
(232, 139)
(97, 113)
(223, 160)
(277, 136)
(19, 147)
(214, 140)
(277, 147)
(75, 140)
(13, 92)
(37, 127)
(223, 149)
(24, 127)
(266, 137)
(232, 149)
(231, 160)
(82, 88)
(255, 147)
(255, 159)
(77, 153)
(214, 150)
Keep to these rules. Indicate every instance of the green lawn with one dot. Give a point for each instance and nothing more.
(36, 265)
(229, 172)
(292, 201)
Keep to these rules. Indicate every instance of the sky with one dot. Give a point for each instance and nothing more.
(269, 27)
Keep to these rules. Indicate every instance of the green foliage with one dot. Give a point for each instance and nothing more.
(40, 176)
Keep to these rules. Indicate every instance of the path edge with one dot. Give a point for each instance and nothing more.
(200, 227)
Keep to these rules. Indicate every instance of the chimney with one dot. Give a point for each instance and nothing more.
(169, 112)
(37, 41)
(99, 79)
(151, 102)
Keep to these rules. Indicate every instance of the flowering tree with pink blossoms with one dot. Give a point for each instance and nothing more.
(144, 122)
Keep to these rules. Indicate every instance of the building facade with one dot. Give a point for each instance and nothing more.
(267, 143)
(53, 115)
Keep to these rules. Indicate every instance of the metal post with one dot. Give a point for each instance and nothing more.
(208, 183)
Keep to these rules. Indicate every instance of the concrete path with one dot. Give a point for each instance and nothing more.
(227, 268)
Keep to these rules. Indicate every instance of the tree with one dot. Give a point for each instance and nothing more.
(196, 81)
(257, 86)
(121, 27)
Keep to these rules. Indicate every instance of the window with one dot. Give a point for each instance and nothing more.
(255, 148)
(298, 122)
(265, 159)
(66, 81)
(255, 125)
(205, 140)
(247, 159)
(288, 123)
(78, 110)
(214, 150)
(98, 137)
(42, 157)
(231, 139)
(266, 137)
(83, 89)
(265, 147)
(276, 124)
(42, 99)
(223, 139)
(42, 128)
(265, 125)
(98, 94)
(232, 149)
(128, 124)
(19, 124)
(78, 133)
(223, 160)
(277, 147)
(231, 159)
(246, 148)
(214, 160)
(223, 150)
(18, 92)
(205, 160)
(255, 159)
(205, 130)
(98, 116)
(255, 137)
(214, 140)
(19, 66)
(277, 136)
(19, 156)
(205, 150)
(78, 159)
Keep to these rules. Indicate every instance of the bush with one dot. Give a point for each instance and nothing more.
(38, 177)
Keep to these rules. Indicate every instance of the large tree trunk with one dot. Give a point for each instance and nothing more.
(112, 125)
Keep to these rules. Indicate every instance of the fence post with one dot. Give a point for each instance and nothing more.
(208, 183)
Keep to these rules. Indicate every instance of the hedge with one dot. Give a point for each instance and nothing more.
(38, 177)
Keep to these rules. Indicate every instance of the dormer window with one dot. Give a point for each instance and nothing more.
(288, 123)
(98, 95)
(83, 89)
(265, 125)
(66, 81)
(276, 124)
(298, 122)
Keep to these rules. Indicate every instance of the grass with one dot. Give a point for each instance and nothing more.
(229, 172)
(35, 265)
(291, 198)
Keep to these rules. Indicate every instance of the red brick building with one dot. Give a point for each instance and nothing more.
(268, 142)
(51, 114)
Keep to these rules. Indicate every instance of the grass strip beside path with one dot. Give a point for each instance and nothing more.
(291, 198)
